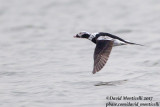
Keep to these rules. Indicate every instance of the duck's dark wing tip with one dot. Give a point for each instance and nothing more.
(93, 72)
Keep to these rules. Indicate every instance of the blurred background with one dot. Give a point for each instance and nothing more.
(42, 65)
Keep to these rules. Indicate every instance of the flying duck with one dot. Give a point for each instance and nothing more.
(104, 43)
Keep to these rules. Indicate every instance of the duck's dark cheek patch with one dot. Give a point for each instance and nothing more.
(85, 36)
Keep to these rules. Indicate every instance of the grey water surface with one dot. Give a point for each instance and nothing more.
(42, 65)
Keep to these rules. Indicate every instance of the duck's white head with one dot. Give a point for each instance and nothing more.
(83, 34)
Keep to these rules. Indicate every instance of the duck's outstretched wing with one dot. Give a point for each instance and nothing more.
(101, 54)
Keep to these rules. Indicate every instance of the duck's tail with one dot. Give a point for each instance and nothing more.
(133, 43)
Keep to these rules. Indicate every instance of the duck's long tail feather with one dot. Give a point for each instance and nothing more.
(133, 43)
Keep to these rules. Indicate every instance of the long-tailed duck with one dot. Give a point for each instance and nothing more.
(104, 43)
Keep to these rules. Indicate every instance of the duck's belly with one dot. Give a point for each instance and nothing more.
(115, 43)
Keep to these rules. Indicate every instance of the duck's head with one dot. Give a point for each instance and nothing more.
(83, 34)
